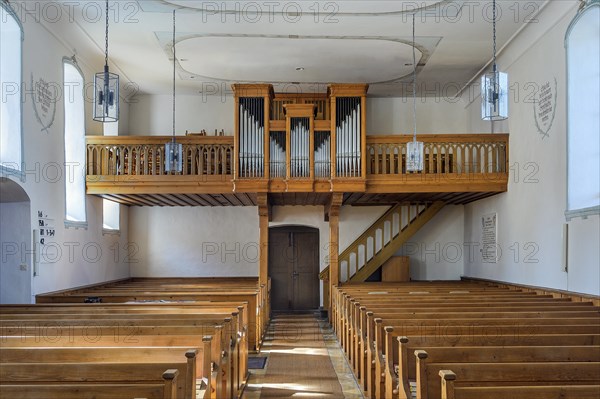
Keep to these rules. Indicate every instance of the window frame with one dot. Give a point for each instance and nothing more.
(7, 171)
(571, 214)
(72, 223)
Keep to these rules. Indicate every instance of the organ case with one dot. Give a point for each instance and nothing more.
(301, 142)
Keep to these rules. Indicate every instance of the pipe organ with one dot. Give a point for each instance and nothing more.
(301, 139)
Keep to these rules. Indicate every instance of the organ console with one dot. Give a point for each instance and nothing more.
(301, 139)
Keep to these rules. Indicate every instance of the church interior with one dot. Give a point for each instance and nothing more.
(327, 199)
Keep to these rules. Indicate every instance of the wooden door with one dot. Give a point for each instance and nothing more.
(294, 268)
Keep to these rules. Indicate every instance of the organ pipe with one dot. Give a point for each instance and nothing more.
(252, 133)
(348, 136)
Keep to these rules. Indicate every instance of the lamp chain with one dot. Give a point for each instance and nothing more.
(494, 25)
(106, 36)
(174, 67)
(414, 81)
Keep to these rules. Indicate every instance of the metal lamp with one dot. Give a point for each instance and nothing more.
(174, 150)
(414, 149)
(106, 89)
(494, 88)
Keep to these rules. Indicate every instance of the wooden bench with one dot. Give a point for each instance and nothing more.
(164, 390)
(122, 318)
(449, 391)
(14, 363)
(99, 373)
(238, 290)
(518, 380)
(226, 383)
(573, 364)
(427, 313)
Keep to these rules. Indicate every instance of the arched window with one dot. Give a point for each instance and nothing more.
(111, 211)
(582, 43)
(11, 43)
(73, 94)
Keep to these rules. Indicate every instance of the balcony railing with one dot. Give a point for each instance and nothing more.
(135, 165)
(145, 155)
(467, 154)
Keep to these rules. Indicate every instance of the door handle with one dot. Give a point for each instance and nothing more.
(295, 274)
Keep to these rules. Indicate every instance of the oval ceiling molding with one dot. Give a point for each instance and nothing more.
(275, 59)
(310, 8)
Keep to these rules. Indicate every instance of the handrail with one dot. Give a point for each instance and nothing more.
(191, 139)
(145, 155)
(402, 220)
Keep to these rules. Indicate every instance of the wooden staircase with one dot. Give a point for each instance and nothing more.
(383, 239)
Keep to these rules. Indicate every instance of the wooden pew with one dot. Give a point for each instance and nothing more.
(123, 317)
(223, 383)
(449, 391)
(179, 289)
(101, 373)
(492, 379)
(198, 363)
(428, 364)
(164, 390)
(361, 331)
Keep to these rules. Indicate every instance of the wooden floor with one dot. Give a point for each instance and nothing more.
(304, 360)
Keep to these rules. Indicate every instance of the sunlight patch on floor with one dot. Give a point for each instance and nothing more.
(300, 351)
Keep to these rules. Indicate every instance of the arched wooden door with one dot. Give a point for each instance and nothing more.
(294, 268)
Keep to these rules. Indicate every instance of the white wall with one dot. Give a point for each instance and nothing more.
(152, 115)
(194, 241)
(436, 251)
(440, 114)
(531, 214)
(75, 256)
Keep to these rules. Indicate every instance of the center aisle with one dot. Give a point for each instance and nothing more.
(301, 363)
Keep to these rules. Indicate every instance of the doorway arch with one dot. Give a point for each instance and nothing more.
(15, 230)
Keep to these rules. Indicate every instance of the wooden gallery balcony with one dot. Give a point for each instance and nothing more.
(298, 149)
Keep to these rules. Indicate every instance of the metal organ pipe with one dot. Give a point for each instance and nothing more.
(348, 139)
(251, 125)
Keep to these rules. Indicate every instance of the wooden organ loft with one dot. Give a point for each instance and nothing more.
(306, 149)
(297, 149)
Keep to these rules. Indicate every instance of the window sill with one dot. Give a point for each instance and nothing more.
(6, 172)
(582, 213)
(111, 232)
(69, 224)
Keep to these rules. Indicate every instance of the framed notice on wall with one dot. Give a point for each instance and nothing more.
(489, 233)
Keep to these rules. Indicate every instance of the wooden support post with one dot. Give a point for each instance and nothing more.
(332, 213)
(263, 261)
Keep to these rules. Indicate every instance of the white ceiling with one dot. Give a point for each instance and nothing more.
(222, 42)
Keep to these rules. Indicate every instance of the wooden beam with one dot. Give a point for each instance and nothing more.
(333, 204)
(333, 215)
(264, 215)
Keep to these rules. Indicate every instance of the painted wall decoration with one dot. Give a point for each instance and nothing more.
(45, 97)
(544, 108)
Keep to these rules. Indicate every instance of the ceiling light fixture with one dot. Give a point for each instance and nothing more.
(414, 149)
(106, 88)
(494, 87)
(174, 150)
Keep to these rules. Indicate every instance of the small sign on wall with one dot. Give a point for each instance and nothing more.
(489, 240)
